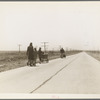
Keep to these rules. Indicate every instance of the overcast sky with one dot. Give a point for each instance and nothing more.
(73, 25)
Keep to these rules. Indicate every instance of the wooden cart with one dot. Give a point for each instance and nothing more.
(45, 57)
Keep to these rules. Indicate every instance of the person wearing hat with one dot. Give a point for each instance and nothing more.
(30, 54)
(40, 53)
(35, 56)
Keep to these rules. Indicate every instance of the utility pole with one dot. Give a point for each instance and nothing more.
(19, 47)
(66, 49)
(44, 45)
(60, 46)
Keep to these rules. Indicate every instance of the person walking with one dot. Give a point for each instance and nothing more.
(35, 56)
(40, 53)
(62, 51)
(30, 54)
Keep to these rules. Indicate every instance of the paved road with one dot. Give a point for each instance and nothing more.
(75, 74)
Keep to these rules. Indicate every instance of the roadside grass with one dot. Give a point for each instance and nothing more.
(96, 55)
(13, 59)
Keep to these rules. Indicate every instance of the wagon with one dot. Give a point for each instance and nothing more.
(44, 57)
(63, 55)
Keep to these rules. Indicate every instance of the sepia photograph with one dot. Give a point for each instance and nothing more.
(49, 49)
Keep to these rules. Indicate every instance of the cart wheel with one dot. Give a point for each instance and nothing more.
(47, 60)
(28, 64)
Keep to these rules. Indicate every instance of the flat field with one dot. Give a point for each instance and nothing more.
(14, 59)
(96, 55)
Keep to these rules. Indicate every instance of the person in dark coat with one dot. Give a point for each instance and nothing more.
(30, 54)
(62, 53)
(40, 53)
(35, 56)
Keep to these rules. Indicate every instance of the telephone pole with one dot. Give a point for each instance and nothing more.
(44, 45)
(19, 47)
(60, 46)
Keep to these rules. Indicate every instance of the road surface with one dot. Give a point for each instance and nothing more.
(76, 74)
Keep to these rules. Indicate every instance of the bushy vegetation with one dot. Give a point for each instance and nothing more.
(14, 59)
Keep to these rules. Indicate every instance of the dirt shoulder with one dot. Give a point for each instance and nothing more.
(12, 60)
